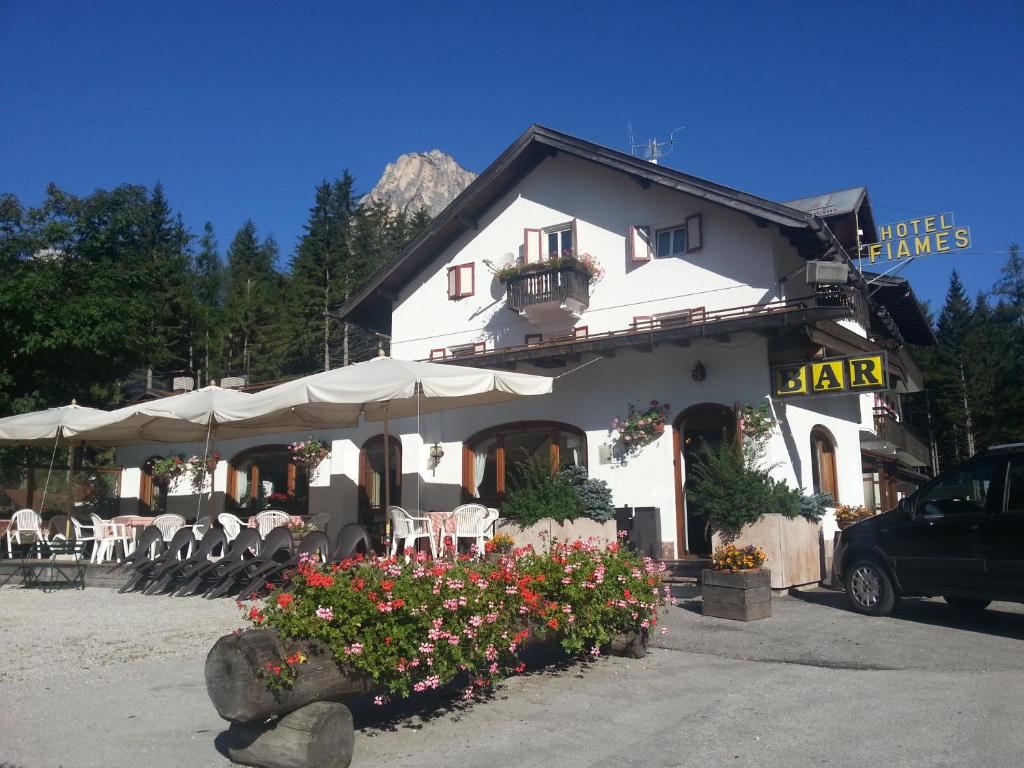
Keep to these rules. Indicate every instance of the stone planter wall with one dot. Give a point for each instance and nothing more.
(581, 528)
(793, 548)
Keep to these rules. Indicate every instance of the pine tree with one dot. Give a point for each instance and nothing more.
(253, 306)
(948, 376)
(208, 287)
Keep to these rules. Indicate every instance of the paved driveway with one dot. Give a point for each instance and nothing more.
(815, 685)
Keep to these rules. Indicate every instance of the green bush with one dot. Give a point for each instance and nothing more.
(813, 507)
(537, 494)
(733, 495)
(595, 494)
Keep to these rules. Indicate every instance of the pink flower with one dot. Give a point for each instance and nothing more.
(664, 631)
(324, 613)
(595, 651)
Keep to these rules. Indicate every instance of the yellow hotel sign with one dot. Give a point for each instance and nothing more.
(832, 376)
(919, 237)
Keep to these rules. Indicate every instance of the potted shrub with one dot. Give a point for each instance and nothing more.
(847, 515)
(641, 426)
(737, 587)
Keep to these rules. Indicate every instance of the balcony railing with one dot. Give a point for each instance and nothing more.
(892, 436)
(566, 286)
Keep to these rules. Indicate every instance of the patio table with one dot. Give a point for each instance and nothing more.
(295, 520)
(440, 520)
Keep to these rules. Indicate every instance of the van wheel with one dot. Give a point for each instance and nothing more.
(967, 604)
(869, 589)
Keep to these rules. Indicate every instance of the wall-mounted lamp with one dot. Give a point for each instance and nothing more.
(436, 454)
(699, 372)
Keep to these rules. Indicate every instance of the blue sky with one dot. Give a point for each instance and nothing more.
(241, 108)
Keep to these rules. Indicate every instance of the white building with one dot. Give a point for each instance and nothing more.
(704, 289)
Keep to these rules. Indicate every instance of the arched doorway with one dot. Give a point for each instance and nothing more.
(371, 482)
(824, 477)
(152, 490)
(696, 431)
(266, 477)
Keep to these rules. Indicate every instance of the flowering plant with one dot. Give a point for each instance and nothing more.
(416, 625)
(168, 467)
(310, 453)
(279, 498)
(499, 542)
(845, 513)
(567, 258)
(301, 528)
(733, 558)
(641, 426)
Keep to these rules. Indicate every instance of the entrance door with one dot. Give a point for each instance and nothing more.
(371, 483)
(698, 431)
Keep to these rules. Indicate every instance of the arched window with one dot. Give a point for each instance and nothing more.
(823, 463)
(371, 480)
(267, 478)
(152, 490)
(489, 457)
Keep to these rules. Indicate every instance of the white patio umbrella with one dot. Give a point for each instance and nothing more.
(46, 427)
(379, 390)
(43, 427)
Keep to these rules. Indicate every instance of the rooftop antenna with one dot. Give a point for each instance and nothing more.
(652, 150)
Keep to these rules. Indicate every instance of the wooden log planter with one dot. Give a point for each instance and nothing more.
(305, 725)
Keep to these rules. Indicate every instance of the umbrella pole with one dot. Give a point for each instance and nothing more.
(387, 475)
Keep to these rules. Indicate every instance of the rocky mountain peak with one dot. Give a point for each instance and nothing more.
(422, 179)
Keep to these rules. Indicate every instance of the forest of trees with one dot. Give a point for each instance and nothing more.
(973, 393)
(105, 294)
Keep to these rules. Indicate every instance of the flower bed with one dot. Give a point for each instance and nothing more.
(416, 626)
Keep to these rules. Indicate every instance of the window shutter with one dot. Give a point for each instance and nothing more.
(531, 246)
(694, 234)
(467, 280)
(453, 282)
(640, 243)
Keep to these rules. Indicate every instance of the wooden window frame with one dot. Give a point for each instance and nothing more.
(499, 432)
(546, 232)
(824, 464)
(693, 224)
(291, 476)
(460, 290)
(671, 230)
(643, 233)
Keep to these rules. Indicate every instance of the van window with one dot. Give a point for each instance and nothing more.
(961, 491)
(1015, 492)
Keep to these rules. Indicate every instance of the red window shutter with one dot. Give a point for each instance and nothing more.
(694, 234)
(531, 246)
(639, 244)
(467, 280)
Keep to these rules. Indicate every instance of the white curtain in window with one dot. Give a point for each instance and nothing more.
(479, 465)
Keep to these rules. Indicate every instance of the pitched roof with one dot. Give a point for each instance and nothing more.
(897, 297)
(525, 154)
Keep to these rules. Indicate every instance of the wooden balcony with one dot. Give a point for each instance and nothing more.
(543, 294)
(893, 438)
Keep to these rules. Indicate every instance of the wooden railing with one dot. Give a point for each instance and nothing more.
(548, 285)
(896, 434)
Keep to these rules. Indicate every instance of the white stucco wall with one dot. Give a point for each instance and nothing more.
(735, 267)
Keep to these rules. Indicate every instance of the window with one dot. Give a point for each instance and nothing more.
(823, 463)
(560, 241)
(1015, 490)
(267, 478)
(959, 492)
(461, 281)
(671, 242)
(675, 241)
(489, 458)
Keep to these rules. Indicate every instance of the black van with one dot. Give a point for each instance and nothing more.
(960, 536)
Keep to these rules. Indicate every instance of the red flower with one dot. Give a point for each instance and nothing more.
(387, 585)
(397, 603)
(285, 599)
(553, 623)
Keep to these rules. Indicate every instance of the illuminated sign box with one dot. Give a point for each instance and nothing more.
(851, 374)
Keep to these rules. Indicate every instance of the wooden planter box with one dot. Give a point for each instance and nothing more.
(744, 595)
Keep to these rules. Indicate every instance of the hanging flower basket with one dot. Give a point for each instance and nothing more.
(310, 453)
(641, 427)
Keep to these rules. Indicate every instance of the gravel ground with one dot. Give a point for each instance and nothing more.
(95, 679)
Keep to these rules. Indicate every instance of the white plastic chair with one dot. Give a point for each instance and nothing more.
(24, 522)
(489, 521)
(270, 519)
(168, 525)
(106, 535)
(232, 525)
(408, 528)
(470, 522)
